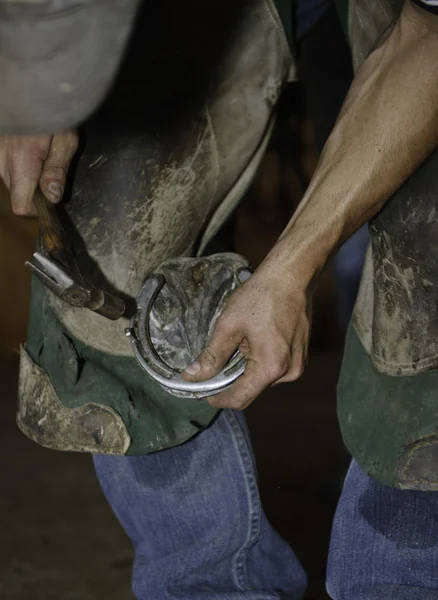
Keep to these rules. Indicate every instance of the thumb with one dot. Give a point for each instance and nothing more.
(54, 174)
(215, 356)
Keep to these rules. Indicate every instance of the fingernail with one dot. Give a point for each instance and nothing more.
(193, 368)
(55, 189)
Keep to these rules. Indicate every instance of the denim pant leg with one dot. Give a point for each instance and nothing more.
(194, 515)
(384, 543)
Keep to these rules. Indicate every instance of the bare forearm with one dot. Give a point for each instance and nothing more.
(387, 128)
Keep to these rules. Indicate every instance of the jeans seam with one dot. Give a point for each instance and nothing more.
(254, 502)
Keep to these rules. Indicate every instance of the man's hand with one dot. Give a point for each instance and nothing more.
(268, 319)
(387, 127)
(27, 162)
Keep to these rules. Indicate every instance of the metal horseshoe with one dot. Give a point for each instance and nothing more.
(157, 369)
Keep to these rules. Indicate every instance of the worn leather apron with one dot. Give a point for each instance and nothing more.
(388, 399)
(164, 163)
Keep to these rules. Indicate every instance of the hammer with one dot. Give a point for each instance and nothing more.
(57, 268)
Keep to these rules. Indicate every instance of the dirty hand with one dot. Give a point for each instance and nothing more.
(268, 319)
(29, 161)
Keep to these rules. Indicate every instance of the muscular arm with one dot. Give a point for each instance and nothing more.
(387, 127)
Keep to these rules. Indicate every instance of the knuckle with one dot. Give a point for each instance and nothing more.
(233, 403)
(54, 171)
(217, 402)
(229, 320)
(272, 373)
(296, 374)
(17, 210)
(233, 399)
(28, 150)
(242, 402)
(210, 357)
(20, 210)
(307, 326)
(297, 369)
(71, 140)
(277, 367)
(38, 147)
(222, 326)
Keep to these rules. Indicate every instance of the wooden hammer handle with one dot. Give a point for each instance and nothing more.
(52, 233)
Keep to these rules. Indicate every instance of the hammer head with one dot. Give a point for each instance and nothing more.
(55, 277)
(63, 284)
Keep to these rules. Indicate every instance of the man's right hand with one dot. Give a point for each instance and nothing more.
(27, 162)
(375, 145)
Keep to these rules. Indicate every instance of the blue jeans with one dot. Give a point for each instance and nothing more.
(384, 543)
(195, 518)
(194, 515)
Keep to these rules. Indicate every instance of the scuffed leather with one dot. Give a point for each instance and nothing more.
(402, 310)
(418, 465)
(92, 428)
(396, 314)
(367, 20)
(148, 191)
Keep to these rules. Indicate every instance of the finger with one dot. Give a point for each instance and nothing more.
(296, 369)
(299, 355)
(25, 169)
(247, 388)
(55, 169)
(4, 167)
(6, 180)
(215, 356)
